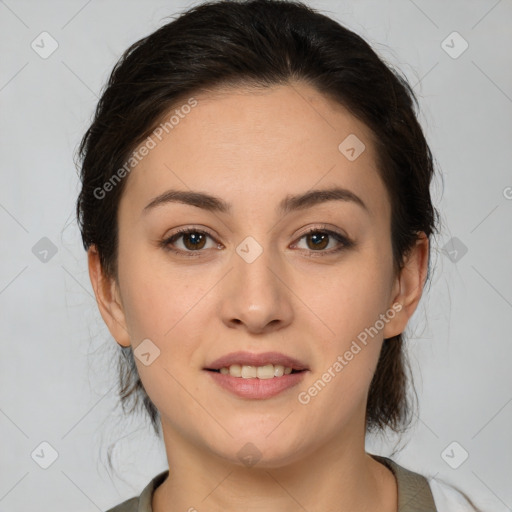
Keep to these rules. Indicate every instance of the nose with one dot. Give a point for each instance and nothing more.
(255, 295)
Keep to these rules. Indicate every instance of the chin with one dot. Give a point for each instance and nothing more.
(259, 450)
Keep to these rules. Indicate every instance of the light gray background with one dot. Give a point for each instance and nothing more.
(58, 374)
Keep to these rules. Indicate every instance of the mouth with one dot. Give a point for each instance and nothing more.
(253, 376)
(247, 365)
(251, 382)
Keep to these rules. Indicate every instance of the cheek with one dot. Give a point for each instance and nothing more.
(158, 299)
(351, 307)
(166, 311)
(337, 391)
(172, 310)
(355, 298)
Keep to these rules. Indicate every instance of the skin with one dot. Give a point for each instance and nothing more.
(252, 148)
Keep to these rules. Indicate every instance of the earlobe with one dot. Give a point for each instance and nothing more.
(108, 299)
(408, 286)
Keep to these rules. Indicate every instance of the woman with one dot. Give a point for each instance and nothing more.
(255, 205)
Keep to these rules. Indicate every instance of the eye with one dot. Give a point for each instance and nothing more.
(317, 240)
(192, 240)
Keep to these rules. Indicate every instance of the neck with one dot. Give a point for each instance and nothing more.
(339, 476)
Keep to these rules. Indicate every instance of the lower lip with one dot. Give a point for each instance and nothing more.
(257, 388)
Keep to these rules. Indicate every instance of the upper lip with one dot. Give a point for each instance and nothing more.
(251, 359)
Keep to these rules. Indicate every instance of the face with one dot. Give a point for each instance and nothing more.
(260, 271)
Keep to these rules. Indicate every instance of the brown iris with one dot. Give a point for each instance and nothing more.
(197, 240)
(320, 240)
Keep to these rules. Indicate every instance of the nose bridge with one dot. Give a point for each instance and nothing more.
(256, 266)
(257, 295)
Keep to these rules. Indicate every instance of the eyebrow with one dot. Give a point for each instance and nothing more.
(288, 204)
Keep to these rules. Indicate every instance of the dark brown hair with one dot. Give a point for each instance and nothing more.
(261, 43)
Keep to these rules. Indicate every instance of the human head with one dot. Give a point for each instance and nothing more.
(261, 44)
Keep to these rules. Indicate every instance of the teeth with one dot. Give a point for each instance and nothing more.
(269, 371)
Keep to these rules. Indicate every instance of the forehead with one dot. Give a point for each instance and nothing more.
(249, 145)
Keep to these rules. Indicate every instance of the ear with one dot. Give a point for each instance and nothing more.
(408, 287)
(108, 299)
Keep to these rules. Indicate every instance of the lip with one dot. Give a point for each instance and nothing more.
(252, 359)
(257, 389)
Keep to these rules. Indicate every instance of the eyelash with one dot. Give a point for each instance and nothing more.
(346, 243)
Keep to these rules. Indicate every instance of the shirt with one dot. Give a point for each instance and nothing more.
(416, 493)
